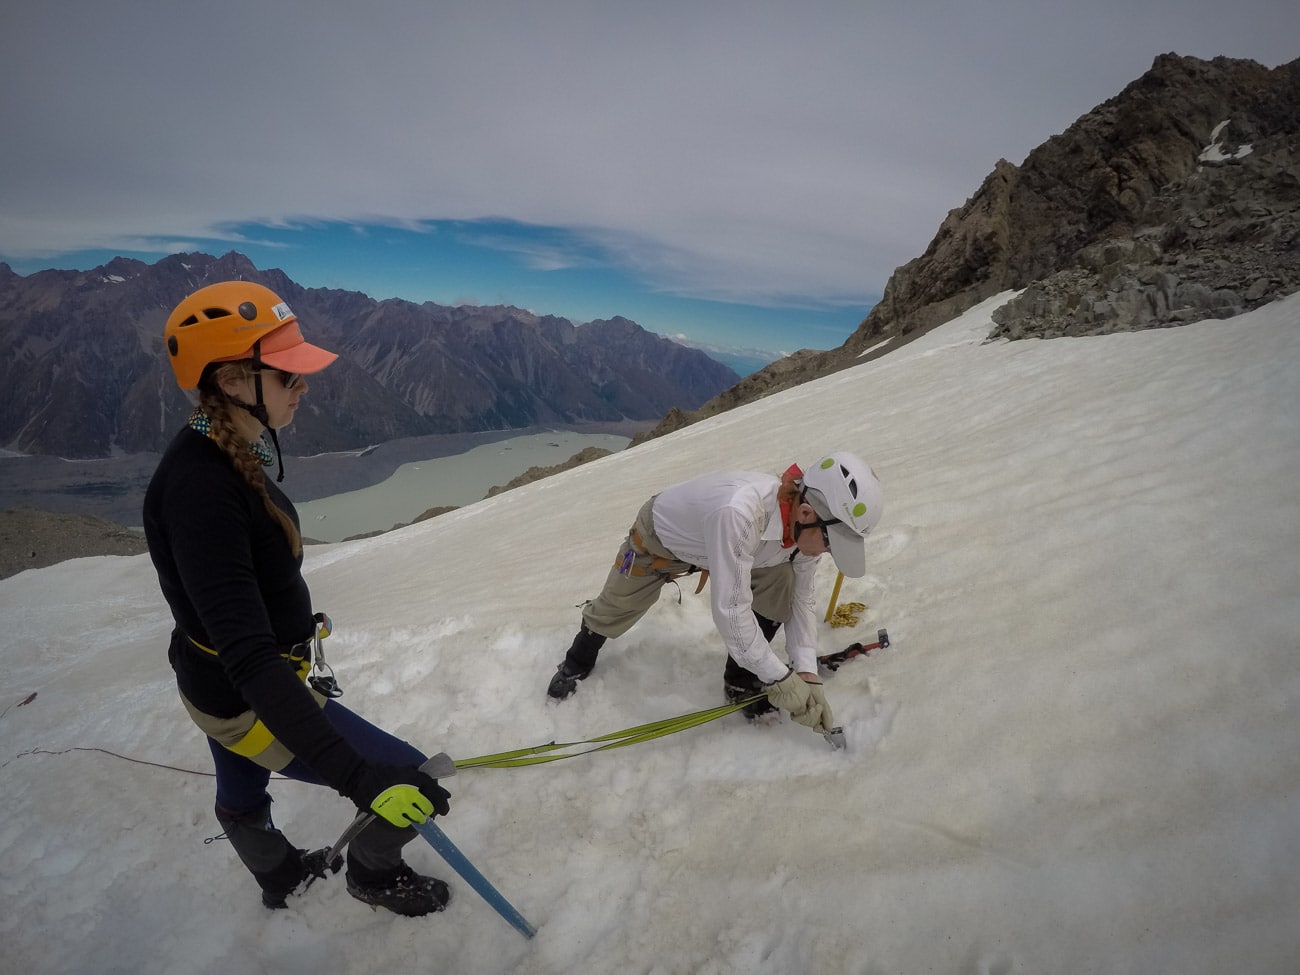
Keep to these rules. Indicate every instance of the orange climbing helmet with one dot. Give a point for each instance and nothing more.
(237, 320)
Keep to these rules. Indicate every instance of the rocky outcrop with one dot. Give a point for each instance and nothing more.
(31, 539)
(1220, 241)
(585, 456)
(1175, 201)
(789, 371)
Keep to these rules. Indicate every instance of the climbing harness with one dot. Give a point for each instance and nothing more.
(307, 657)
(640, 561)
(245, 733)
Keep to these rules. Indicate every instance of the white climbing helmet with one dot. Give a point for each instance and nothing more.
(843, 490)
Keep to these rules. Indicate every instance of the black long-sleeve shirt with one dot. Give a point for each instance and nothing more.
(234, 585)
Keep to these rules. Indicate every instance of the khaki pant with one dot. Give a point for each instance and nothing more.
(628, 595)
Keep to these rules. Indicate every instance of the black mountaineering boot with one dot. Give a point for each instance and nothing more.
(738, 684)
(565, 680)
(275, 863)
(577, 663)
(403, 891)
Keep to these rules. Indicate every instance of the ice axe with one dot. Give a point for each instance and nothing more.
(440, 766)
(833, 661)
(835, 737)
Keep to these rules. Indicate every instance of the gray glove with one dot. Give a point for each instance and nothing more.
(805, 700)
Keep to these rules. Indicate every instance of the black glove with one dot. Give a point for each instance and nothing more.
(403, 795)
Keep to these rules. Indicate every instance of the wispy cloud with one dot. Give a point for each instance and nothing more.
(777, 153)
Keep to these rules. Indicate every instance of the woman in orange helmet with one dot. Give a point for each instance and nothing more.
(226, 545)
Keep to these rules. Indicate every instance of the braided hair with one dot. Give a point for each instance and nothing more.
(217, 406)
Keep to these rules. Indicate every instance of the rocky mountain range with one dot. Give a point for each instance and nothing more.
(85, 375)
(1175, 201)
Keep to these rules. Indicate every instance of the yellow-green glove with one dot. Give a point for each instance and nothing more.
(403, 796)
(402, 805)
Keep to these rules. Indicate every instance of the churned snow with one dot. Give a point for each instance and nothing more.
(1080, 755)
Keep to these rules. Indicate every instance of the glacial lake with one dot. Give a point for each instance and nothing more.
(455, 480)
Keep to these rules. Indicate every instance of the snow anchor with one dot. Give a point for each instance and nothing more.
(835, 595)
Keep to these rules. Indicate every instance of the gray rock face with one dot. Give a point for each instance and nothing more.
(1175, 201)
(1213, 244)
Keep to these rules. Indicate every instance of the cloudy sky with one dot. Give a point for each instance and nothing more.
(741, 173)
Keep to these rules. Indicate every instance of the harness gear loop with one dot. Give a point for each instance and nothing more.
(650, 563)
(307, 657)
(323, 680)
(245, 733)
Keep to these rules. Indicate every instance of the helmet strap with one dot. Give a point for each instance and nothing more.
(790, 525)
(258, 409)
(275, 441)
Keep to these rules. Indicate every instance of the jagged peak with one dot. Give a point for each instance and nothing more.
(1216, 233)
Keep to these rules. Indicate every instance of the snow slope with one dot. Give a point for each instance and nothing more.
(1079, 756)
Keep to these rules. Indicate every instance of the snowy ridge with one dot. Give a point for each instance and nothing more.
(1079, 755)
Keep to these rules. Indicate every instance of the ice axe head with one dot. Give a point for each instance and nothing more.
(439, 766)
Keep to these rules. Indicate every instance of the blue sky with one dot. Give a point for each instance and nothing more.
(746, 175)
(547, 270)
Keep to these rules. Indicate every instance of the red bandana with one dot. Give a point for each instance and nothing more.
(792, 474)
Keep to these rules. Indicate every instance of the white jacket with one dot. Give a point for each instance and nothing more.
(730, 523)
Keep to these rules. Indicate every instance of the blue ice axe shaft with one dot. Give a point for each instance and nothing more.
(441, 766)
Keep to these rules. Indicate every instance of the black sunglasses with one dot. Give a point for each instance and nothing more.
(823, 524)
(288, 379)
